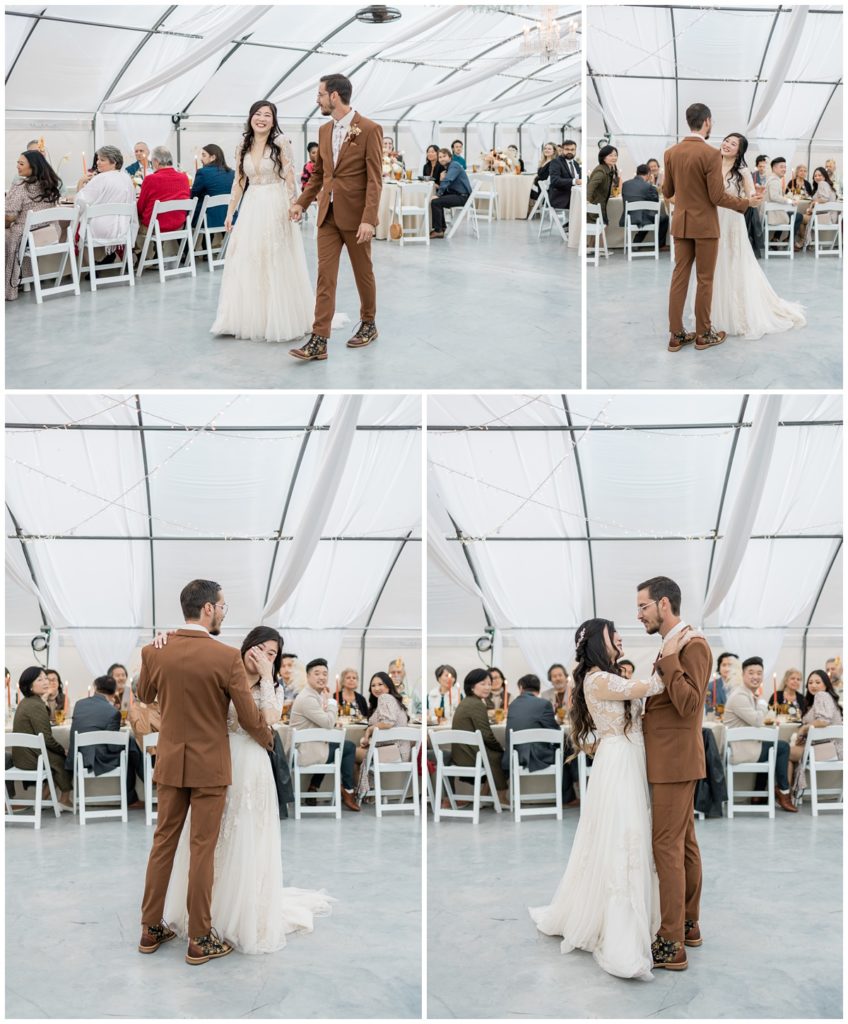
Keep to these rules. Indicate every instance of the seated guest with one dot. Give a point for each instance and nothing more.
(498, 697)
(627, 668)
(775, 193)
(397, 673)
(290, 687)
(39, 189)
(390, 154)
(529, 711)
(349, 695)
(33, 718)
(446, 695)
(108, 185)
(165, 183)
(719, 686)
(214, 178)
(822, 710)
(602, 180)
(314, 708)
(93, 714)
(798, 184)
(542, 172)
(121, 698)
(833, 668)
(824, 193)
(454, 190)
(432, 168)
(830, 167)
(655, 172)
(514, 157)
(456, 153)
(760, 174)
(557, 694)
(640, 190)
(34, 144)
(744, 709)
(565, 172)
(56, 698)
(142, 164)
(470, 716)
(790, 693)
(309, 166)
(385, 711)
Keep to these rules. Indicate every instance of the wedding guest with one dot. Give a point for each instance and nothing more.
(33, 145)
(639, 189)
(144, 720)
(627, 668)
(471, 716)
(656, 172)
(456, 153)
(314, 708)
(397, 673)
(498, 696)
(719, 686)
(798, 184)
(790, 692)
(56, 699)
(775, 193)
(165, 183)
(385, 711)
(565, 172)
(830, 167)
(515, 157)
(822, 710)
(142, 164)
(33, 718)
(760, 175)
(454, 190)
(88, 175)
(557, 694)
(214, 178)
(287, 667)
(95, 714)
(446, 695)
(833, 667)
(121, 698)
(309, 166)
(349, 694)
(602, 180)
(542, 173)
(824, 193)
(390, 153)
(744, 709)
(432, 168)
(39, 189)
(109, 185)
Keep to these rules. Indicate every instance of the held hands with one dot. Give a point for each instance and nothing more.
(295, 213)
(364, 234)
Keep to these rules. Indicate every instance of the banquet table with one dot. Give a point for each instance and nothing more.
(513, 193)
(575, 217)
(615, 234)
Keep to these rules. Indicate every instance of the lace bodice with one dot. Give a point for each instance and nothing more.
(266, 173)
(739, 189)
(266, 695)
(605, 696)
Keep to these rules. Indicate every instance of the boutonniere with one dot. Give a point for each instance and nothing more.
(353, 131)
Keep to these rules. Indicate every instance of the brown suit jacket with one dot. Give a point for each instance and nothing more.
(693, 177)
(194, 679)
(355, 182)
(674, 746)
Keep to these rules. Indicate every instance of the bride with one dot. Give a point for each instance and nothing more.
(608, 899)
(744, 303)
(250, 906)
(266, 294)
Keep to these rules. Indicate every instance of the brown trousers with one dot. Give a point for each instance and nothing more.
(207, 809)
(703, 252)
(331, 241)
(676, 856)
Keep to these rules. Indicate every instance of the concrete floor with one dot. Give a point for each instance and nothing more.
(628, 331)
(473, 314)
(754, 921)
(72, 911)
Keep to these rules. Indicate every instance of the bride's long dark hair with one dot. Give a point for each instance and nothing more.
(249, 135)
(591, 652)
(735, 172)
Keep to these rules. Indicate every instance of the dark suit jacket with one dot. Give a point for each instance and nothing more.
(530, 712)
(470, 716)
(212, 181)
(93, 714)
(637, 190)
(561, 181)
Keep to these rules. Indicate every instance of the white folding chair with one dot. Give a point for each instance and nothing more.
(814, 765)
(775, 247)
(381, 768)
(584, 769)
(334, 768)
(158, 238)
(517, 773)
(819, 228)
(82, 775)
(150, 797)
(652, 228)
(474, 774)
(34, 248)
(488, 194)
(552, 218)
(541, 199)
(39, 776)
(765, 735)
(89, 240)
(413, 201)
(459, 214)
(203, 232)
(598, 231)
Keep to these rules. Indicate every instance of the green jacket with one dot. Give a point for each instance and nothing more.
(32, 716)
(469, 716)
(598, 190)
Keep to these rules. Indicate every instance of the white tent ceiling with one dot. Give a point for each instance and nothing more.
(560, 522)
(647, 64)
(122, 516)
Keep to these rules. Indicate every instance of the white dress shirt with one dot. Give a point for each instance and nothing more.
(108, 187)
(340, 130)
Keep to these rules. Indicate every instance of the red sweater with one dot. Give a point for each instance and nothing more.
(166, 184)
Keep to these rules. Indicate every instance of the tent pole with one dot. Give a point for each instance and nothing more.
(583, 501)
(821, 116)
(736, 433)
(815, 605)
(373, 610)
(676, 80)
(762, 62)
(27, 559)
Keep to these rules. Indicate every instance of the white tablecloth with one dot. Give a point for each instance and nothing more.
(575, 217)
(513, 193)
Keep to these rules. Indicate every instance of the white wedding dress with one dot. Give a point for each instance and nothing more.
(266, 294)
(250, 907)
(744, 303)
(608, 900)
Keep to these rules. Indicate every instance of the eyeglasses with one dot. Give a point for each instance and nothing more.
(222, 606)
(641, 607)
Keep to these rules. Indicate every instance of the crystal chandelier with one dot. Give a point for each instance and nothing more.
(546, 40)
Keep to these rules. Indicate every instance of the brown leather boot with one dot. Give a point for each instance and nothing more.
(710, 339)
(692, 935)
(784, 802)
(668, 954)
(315, 348)
(153, 936)
(207, 947)
(365, 333)
(678, 339)
(349, 800)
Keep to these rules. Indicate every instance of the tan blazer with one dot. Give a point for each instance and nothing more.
(743, 710)
(693, 178)
(308, 713)
(774, 194)
(194, 679)
(674, 746)
(355, 182)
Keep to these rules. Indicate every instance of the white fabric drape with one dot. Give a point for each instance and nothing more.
(538, 94)
(341, 435)
(542, 647)
(451, 87)
(315, 643)
(423, 134)
(777, 74)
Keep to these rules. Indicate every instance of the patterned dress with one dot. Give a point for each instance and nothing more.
(20, 199)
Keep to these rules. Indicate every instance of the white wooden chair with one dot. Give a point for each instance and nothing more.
(814, 765)
(334, 768)
(150, 798)
(35, 247)
(156, 237)
(488, 195)
(833, 232)
(215, 252)
(517, 773)
(460, 213)
(598, 231)
(631, 229)
(381, 768)
(412, 201)
(774, 247)
(764, 734)
(89, 240)
(475, 774)
(82, 775)
(39, 776)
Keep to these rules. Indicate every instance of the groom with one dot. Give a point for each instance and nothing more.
(194, 679)
(349, 176)
(674, 750)
(694, 179)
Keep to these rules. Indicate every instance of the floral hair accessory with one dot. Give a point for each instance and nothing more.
(581, 637)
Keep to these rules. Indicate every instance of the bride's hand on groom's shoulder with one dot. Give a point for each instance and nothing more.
(161, 639)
